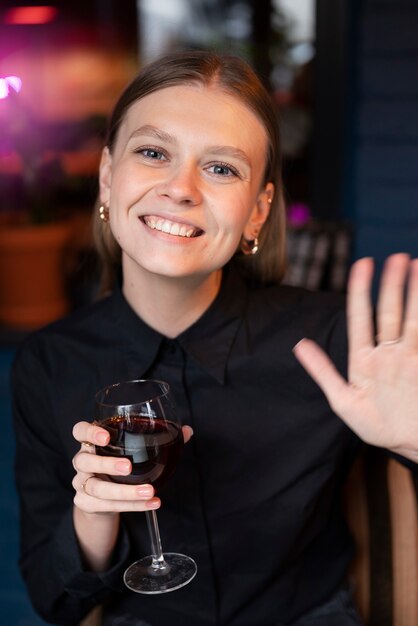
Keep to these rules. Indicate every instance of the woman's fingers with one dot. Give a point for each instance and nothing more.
(359, 306)
(96, 487)
(106, 490)
(98, 495)
(323, 371)
(93, 504)
(187, 433)
(380, 401)
(93, 464)
(390, 305)
(86, 432)
(91, 433)
(410, 333)
(94, 494)
(89, 463)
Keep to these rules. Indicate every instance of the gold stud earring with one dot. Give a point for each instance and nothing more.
(104, 213)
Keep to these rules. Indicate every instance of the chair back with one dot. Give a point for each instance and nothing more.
(382, 510)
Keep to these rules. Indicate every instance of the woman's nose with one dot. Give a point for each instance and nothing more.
(181, 186)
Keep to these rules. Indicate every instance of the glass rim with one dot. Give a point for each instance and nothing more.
(164, 391)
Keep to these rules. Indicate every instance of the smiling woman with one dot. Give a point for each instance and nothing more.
(160, 120)
(191, 230)
(181, 194)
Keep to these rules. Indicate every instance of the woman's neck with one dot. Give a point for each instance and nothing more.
(170, 305)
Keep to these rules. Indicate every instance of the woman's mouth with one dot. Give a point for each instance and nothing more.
(171, 228)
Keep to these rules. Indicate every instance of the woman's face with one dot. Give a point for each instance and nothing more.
(184, 181)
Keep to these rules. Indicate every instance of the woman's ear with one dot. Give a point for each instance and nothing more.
(260, 213)
(105, 177)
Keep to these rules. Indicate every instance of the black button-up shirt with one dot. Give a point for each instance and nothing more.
(256, 497)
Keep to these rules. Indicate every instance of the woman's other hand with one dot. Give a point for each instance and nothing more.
(97, 494)
(380, 400)
(94, 493)
(98, 501)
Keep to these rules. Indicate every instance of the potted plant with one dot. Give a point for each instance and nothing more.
(35, 232)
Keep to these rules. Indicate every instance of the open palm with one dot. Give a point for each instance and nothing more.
(379, 401)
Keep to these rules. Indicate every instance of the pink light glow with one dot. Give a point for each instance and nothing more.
(30, 15)
(299, 214)
(14, 82)
(8, 82)
(4, 89)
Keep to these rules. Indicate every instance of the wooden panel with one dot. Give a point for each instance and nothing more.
(380, 241)
(389, 77)
(392, 121)
(388, 204)
(387, 164)
(404, 513)
(390, 30)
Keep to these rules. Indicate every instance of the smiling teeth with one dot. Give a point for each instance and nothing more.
(171, 228)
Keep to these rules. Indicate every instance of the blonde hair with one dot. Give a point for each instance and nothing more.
(237, 78)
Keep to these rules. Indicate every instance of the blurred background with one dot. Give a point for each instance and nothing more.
(343, 76)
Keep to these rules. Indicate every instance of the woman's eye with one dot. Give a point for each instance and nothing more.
(151, 153)
(222, 169)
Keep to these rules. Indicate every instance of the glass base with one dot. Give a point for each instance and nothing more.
(141, 577)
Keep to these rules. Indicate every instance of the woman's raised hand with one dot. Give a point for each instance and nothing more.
(95, 493)
(380, 400)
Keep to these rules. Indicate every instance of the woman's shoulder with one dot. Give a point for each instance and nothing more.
(297, 301)
(87, 317)
(282, 297)
(86, 325)
(279, 316)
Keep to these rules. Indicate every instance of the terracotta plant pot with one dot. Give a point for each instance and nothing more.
(32, 273)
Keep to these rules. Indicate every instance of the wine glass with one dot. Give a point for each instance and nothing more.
(140, 418)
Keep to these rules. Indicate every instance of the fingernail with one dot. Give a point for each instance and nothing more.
(153, 504)
(124, 467)
(295, 347)
(102, 438)
(145, 491)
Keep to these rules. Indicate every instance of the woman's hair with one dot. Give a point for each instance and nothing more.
(234, 76)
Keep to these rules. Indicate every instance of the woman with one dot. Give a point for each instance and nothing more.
(191, 226)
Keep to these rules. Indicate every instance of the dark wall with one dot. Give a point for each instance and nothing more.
(332, 94)
(382, 182)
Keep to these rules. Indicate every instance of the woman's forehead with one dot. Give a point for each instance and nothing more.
(209, 107)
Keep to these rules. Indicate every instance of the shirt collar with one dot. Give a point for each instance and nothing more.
(139, 342)
(208, 341)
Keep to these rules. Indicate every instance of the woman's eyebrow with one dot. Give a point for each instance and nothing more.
(230, 151)
(153, 131)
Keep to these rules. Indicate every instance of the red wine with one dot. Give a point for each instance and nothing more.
(152, 445)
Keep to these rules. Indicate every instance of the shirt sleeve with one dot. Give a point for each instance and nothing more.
(60, 588)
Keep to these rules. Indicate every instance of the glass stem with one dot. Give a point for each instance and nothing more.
(154, 533)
